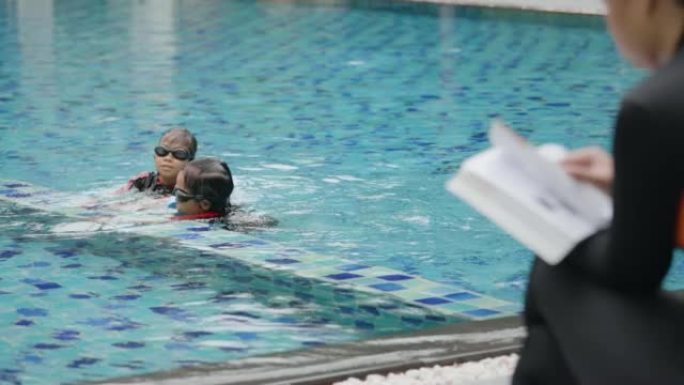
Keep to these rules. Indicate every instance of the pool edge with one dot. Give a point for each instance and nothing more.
(444, 345)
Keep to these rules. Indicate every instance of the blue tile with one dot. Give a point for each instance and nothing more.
(283, 261)
(395, 277)
(387, 287)
(199, 229)
(127, 297)
(412, 320)
(364, 325)
(24, 322)
(32, 312)
(481, 312)
(83, 361)
(343, 276)
(228, 245)
(48, 285)
(66, 335)
(352, 267)
(196, 334)
(433, 301)
(461, 296)
(44, 346)
(247, 336)
(129, 345)
(188, 236)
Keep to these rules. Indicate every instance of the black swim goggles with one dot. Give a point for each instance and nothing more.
(184, 196)
(178, 154)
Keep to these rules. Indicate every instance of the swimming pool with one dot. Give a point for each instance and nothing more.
(342, 120)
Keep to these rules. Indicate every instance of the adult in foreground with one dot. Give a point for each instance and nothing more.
(601, 316)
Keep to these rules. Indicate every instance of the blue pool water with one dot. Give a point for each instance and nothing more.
(343, 121)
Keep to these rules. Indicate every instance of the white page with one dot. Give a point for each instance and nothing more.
(585, 200)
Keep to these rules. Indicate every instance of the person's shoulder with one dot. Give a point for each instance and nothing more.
(143, 180)
(661, 92)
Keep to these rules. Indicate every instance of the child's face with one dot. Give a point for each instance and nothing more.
(188, 206)
(638, 27)
(168, 166)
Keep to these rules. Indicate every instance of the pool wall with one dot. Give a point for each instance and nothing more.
(588, 7)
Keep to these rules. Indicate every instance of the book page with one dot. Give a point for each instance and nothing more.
(583, 199)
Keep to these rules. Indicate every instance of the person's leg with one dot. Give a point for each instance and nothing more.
(541, 361)
(606, 336)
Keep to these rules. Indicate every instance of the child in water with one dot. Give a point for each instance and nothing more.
(176, 148)
(203, 190)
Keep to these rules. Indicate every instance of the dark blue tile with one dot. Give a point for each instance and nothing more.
(343, 276)
(247, 336)
(346, 310)
(7, 254)
(364, 325)
(104, 277)
(188, 236)
(48, 285)
(313, 344)
(353, 267)
(433, 301)
(461, 296)
(172, 312)
(228, 245)
(387, 287)
(178, 346)
(395, 277)
(127, 297)
(83, 361)
(196, 334)
(32, 312)
(283, 261)
(189, 286)
(199, 229)
(412, 320)
(66, 335)
(45, 346)
(35, 265)
(481, 312)
(129, 345)
(79, 296)
(24, 322)
(370, 309)
(32, 359)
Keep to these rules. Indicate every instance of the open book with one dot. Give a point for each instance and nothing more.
(523, 189)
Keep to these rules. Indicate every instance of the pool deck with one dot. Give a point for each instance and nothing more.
(584, 7)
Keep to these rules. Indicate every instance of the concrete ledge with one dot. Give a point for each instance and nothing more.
(467, 341)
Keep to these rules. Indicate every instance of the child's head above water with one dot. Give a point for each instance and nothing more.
(647, 32)
(176, 148)
(204, 186)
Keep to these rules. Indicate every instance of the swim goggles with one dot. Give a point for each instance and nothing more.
(184, 196)
(178, 154)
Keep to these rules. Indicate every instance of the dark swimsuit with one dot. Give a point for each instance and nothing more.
(150, 182)
(601, 316)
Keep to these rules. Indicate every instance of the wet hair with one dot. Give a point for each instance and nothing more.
(181, 136)
(212, 179)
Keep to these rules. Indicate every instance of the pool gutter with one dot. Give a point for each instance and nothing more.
(580, 7)
(400, 352)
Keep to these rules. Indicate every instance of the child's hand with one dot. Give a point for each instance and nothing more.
(591, 164)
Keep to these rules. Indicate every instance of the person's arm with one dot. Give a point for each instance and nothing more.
(636, 251)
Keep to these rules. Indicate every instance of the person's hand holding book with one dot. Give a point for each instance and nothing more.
(591, 164)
